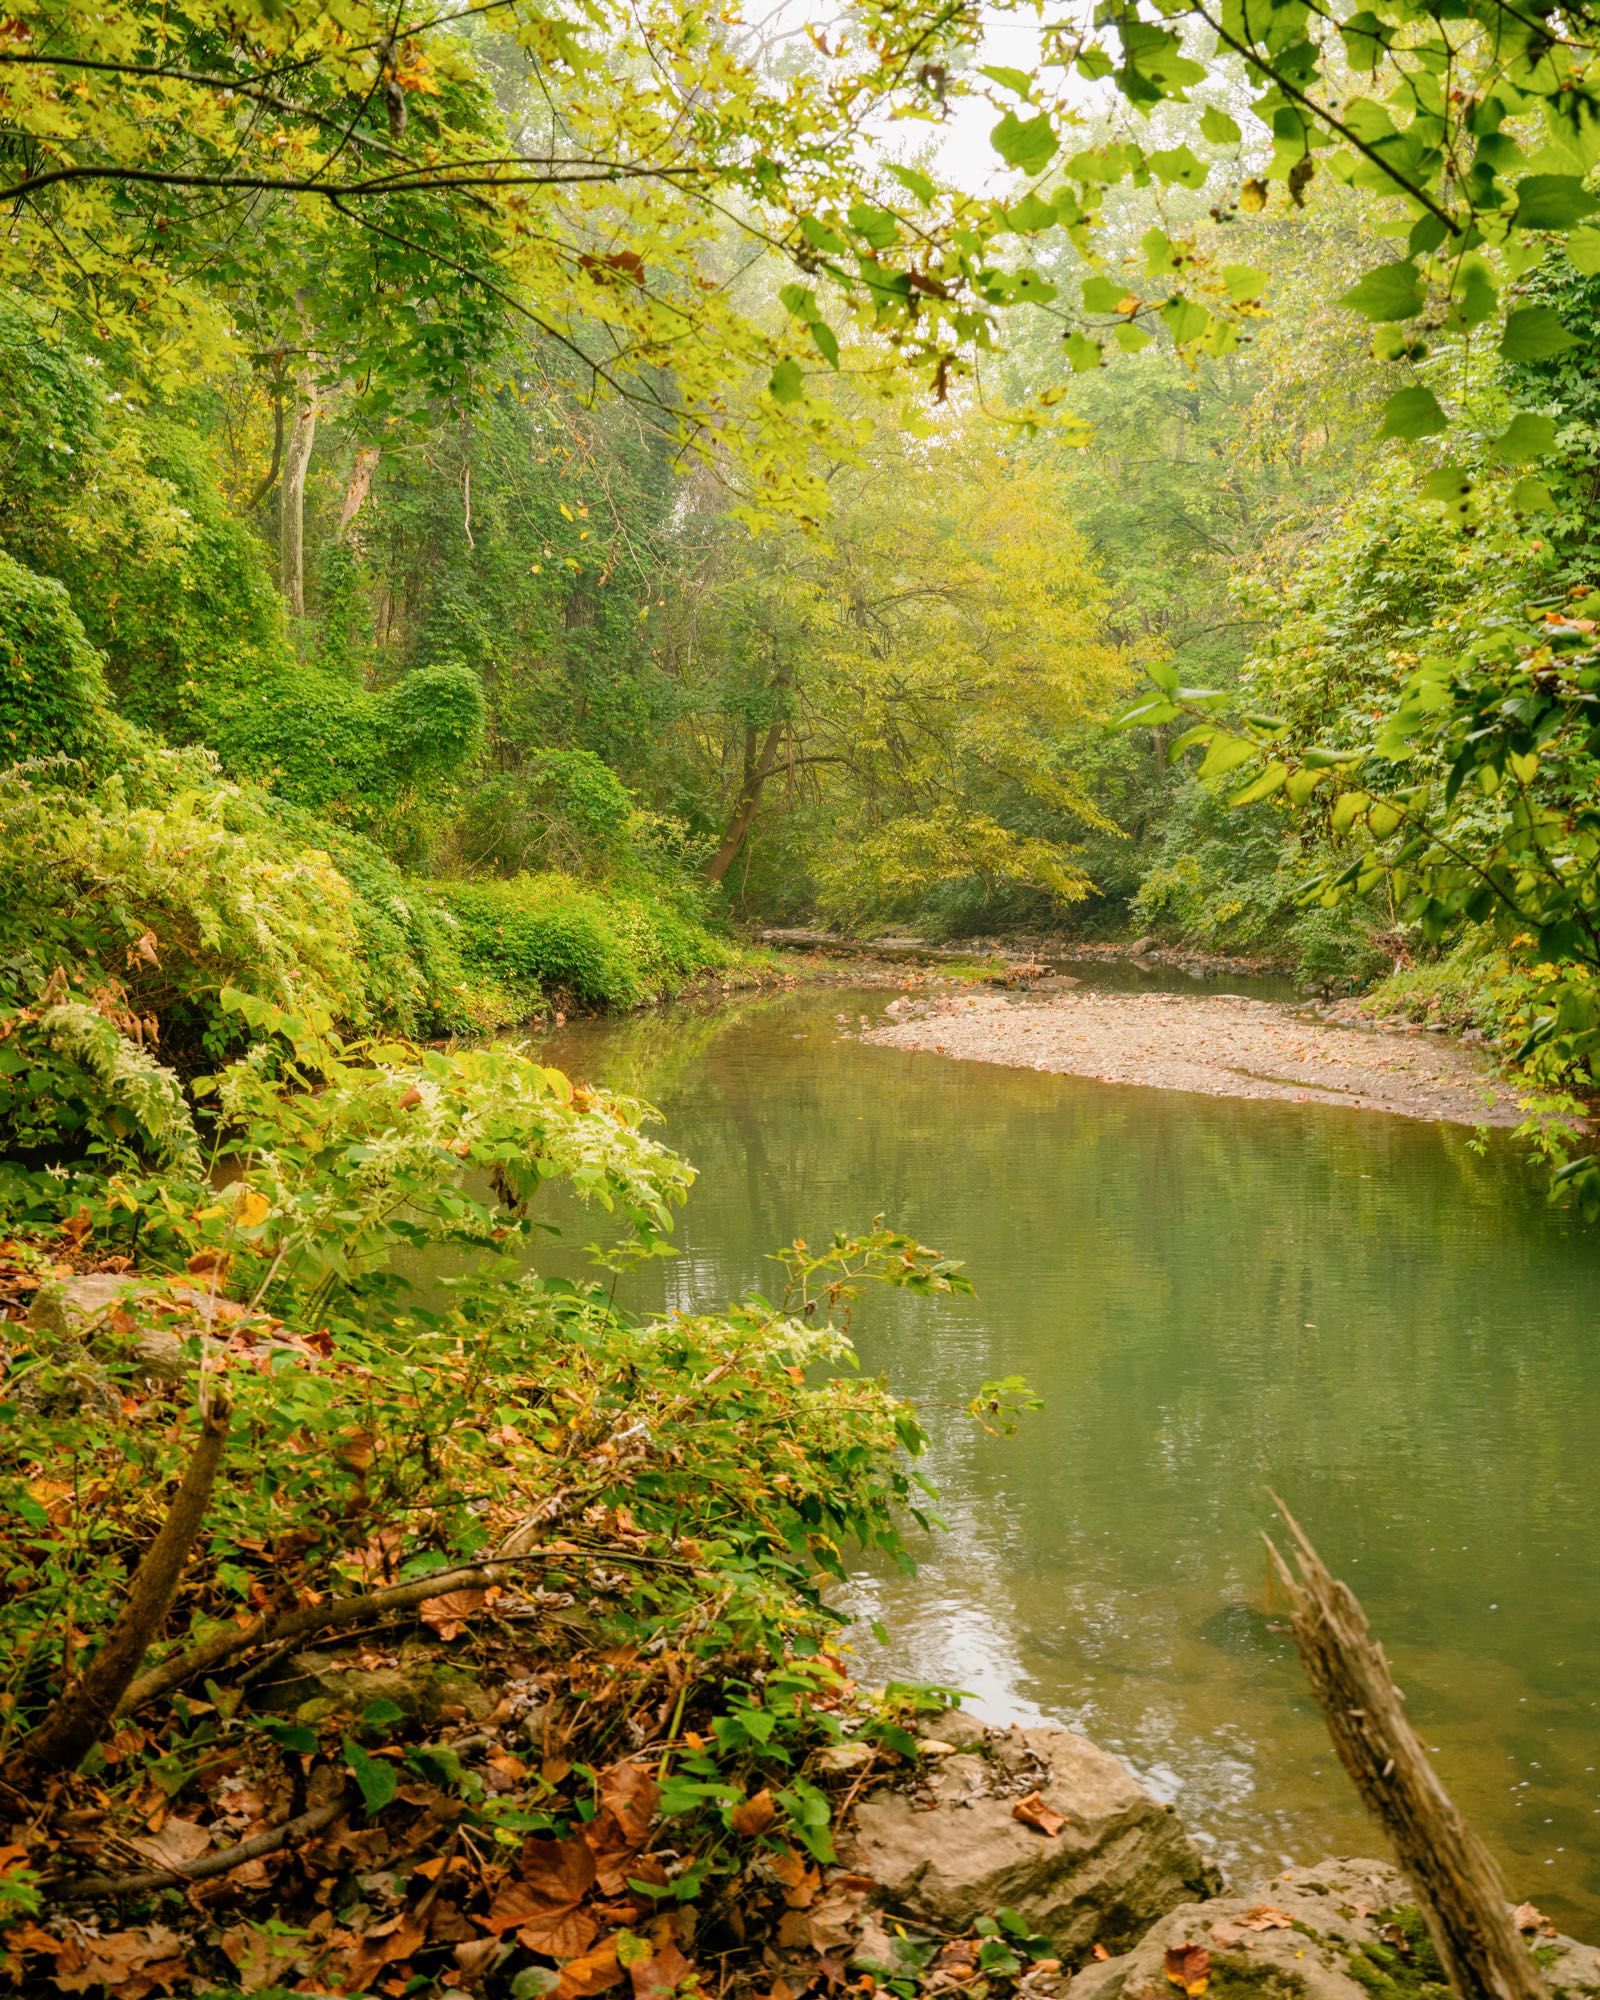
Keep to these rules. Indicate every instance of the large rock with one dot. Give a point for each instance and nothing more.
(954, 1849)
(1342, 1930)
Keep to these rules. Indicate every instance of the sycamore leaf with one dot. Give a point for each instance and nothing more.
(1390, 292)
(1412, 413)
(1535, 333)
(1189, 1966)
(1028, 144)
(1218, 127)
(788, 384)
(1527, 436)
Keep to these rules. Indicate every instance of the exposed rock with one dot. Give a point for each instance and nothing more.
(1341, 1930)
(316, 1684)
(954, 1849)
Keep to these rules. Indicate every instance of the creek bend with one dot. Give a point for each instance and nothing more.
(1373, 1316)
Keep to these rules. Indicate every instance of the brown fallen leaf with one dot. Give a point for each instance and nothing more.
(540, 1902)
(1189, 1966)
(448, 1614)
(1265, 1918)
(1032, 1811)
(660, 1974)
(180, 1840)
(592, 1973)
(1101, 1953)
(1527, 1918)
(754, 1815)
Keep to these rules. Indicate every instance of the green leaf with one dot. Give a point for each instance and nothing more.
(1028, 144)
(820, 236)
(1583, 247)
(1176, 165)
(788, 384)
(1218, 127)
(1412, 413)
(1185, 319)
(1526, 437)
(1532, 496)
(1030, 215)
(1244, 282)
(1390, 292)
(827, 343)
(1552, 201)
(1102, 294)
(1226, 754)
(379, 1781)
(1017, 81)
(915, 183)
(1269, 782)
(1448, 487)
(1535, 333)
(1082, 353)
(877, 225)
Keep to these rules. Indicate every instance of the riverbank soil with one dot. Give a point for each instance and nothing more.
(1218, 1045)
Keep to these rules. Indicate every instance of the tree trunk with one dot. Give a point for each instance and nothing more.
(1458, 1885)
(355, 494)
(292, 503)
(757, 770)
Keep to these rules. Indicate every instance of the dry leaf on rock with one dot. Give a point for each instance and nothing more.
(1032, 1811)
(1189, 1966)
(1265, 1918)
(752, 1816)
(1527, 1918)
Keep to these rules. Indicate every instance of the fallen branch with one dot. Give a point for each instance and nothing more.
(1458, 1884)
(206, 1866)
(83, 1710)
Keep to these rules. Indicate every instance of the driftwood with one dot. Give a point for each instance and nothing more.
(82, 1712)
(1458, 1884)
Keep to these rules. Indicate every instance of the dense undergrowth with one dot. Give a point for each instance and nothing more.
(606, 1538)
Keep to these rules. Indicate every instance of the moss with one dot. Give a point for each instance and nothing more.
(1407, 1968)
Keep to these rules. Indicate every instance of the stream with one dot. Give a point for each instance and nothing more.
(1379, 1319)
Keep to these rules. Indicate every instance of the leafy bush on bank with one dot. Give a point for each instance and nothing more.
(546, 937)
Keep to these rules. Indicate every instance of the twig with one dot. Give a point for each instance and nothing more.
(207, 1865)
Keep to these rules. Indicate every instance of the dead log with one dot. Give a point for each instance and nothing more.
(1459, 1886)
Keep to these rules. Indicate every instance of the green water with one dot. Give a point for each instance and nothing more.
(1214, 1299)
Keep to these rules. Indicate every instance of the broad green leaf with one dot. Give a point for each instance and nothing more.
(1102, 294)
(1412, 413)
(1448, 487)
(1390, 292)
(1244, 282)
(1583, 247)
(1532, 496)
(1185, 319)
(1028, 144)
(788, 384)
(1082, 353)
(1218, 127)
(820, 236)
(1552, 201)
(379, 1781)
(915, 183)
(1527, 436)
(876, 225)
(1226, 754)
(1535, 333)
(1271, 779)
(1178, 166)
(1030, 215)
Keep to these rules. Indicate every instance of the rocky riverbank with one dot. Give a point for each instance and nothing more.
(1218, 1045)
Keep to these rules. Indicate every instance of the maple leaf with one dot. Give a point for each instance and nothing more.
(1032, 1811)
(541, 1902)
(1189, 1966)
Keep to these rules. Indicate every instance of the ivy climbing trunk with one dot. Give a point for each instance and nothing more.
(292, 502)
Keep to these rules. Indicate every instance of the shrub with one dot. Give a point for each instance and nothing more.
(541, 936)
(53, 696)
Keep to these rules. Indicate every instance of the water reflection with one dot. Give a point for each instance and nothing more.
(1365, 1314)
